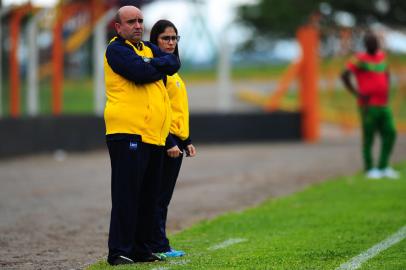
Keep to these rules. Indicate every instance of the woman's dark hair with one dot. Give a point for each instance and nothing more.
(158, 28)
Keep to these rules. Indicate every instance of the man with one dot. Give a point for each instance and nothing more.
(372, 76)
(137, 118)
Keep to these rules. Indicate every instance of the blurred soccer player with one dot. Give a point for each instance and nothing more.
(372, 90)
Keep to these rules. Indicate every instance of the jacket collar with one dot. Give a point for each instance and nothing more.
(139, 46)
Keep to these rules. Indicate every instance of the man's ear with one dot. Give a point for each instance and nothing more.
(117, 26)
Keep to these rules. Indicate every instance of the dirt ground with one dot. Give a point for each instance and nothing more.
(54, 209)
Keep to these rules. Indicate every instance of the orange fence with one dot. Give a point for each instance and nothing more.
(55, 68)
(306, 71)
(15, 22)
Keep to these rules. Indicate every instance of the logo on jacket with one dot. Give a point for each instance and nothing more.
(133, 146)
(178, 84)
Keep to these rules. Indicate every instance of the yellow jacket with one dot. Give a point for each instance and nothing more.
(179, 105)
(141, 108)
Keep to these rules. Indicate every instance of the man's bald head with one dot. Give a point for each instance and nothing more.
(125, 9)
(130, 23)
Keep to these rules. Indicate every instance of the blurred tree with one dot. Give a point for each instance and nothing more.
(281, 18)
(276, 17)
(390, 12)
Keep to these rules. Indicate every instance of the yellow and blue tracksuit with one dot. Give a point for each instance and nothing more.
(137, 118)
(179, 135)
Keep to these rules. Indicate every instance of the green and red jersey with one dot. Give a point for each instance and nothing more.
(371, 73)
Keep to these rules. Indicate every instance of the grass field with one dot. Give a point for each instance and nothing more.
(77, 97)
(321, 227)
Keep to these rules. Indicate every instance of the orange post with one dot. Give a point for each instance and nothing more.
(64, 12)
(308, 38)
(15, 104)
(14, 75)
(97, 9)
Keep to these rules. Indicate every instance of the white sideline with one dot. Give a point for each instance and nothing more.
(356, 262)
(227, 243)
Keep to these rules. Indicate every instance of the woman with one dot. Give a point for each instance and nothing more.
(165, 35)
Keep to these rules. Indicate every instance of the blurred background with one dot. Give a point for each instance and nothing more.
(244, 56)
(255, 71)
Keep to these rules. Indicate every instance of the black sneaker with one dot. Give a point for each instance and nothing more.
(120, 260)
(153, 257)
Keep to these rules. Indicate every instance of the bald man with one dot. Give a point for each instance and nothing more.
(137, 118)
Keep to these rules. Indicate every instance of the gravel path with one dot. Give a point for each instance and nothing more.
(55, 208)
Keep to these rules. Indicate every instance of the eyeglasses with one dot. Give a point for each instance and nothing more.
(168, 38)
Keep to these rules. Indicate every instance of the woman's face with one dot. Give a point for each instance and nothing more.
(167, 40)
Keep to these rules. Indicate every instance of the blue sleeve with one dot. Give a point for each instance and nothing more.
(170, 141)
(131, 66)
(167, 63)
(187, 142)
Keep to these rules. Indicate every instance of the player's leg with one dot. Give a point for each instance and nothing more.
(368, 132)
(387, 131)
